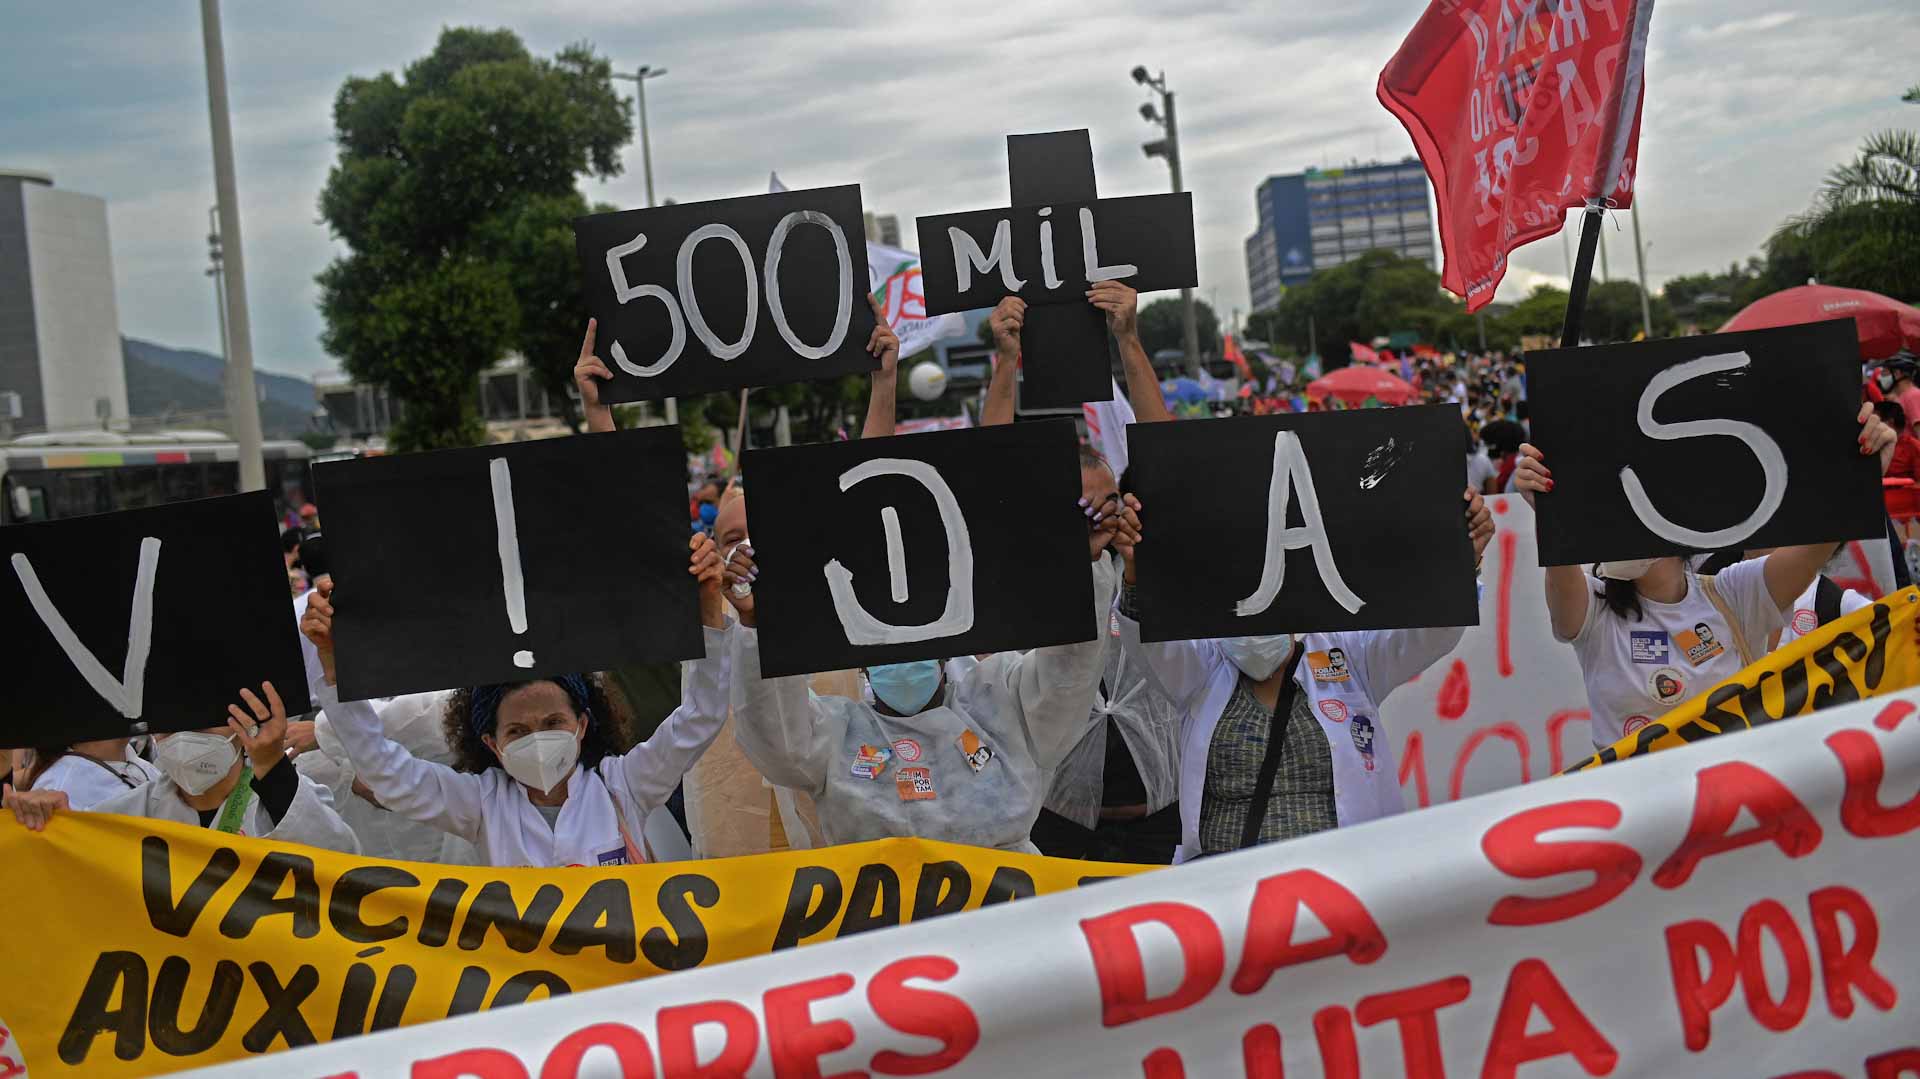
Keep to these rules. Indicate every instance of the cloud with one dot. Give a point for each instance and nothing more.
(1748, 106)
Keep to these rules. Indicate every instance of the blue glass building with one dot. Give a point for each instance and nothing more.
(1323, 217)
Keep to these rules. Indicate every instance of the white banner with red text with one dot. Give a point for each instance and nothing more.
(1740, 906)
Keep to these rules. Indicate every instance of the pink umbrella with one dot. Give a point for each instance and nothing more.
(1886, 325)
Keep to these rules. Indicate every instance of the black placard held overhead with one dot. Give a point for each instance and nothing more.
(1302, 523)
(1040, 250)
(754, 291)
(511, 562)
(920, 546)
(154, 616)
(1702, 443)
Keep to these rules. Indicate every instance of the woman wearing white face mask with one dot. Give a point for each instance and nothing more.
(1650, 634)
(208, 780)
(963, 762)
(536, 781)
(1331, 764)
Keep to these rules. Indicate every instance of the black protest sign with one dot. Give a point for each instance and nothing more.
(1701, 443)
(722, 295)
(511, 562)
(154, 616)
(920, 546)
(1302, 523)
(1058, 237)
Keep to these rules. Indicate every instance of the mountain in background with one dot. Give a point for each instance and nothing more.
(182, 380)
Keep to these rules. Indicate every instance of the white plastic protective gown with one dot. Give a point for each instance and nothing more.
(1029, 709)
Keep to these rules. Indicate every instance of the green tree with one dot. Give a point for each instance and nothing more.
(1375, 294)
(1161, 326)
(1544, 311)
(453, 192)
(1613, 313)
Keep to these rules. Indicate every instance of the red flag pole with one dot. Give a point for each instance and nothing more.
(1582, 276)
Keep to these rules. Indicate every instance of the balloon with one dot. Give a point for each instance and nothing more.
(927, 381)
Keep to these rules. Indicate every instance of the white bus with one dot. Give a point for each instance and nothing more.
(71, 474)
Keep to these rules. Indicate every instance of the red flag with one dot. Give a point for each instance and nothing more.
(1232, 352)
(1362, 354)
(1521, 109)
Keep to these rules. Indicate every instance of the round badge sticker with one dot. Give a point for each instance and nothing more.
(1666, 685)
(1335, 711)
(1805, 621)
(907, 750)
(1634, 723)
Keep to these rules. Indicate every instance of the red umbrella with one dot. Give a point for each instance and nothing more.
(1886, 325)
(1355, 386)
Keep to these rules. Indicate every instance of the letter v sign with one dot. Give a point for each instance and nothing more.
(125, 694)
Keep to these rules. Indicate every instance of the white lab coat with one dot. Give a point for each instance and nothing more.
(1200, 678)
(1149, 724)
(414, 721)
(89, 782)
(492, 811)
(1029, 708)
(310, 818)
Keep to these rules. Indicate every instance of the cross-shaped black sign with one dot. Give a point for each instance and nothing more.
(1058, 236)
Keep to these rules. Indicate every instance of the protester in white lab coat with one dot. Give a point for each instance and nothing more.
(1334, 767)
(536, 780)
(89, 772)
(205, 780)
(413, 721)
(964, 763)
(1650, 633)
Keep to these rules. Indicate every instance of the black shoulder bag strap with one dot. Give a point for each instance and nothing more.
(1826, 599)
(1270, 761)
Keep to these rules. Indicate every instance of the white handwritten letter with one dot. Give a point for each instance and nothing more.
(967, 257)
(126, 694)
(1773, 463)
(843, 315)
(1290, 470)
(622, 292)
(1090, 251)
(860, 624)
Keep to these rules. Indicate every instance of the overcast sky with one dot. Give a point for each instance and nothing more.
(1749, 103)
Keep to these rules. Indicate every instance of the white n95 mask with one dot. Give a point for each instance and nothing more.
(543, 759)
(195, 760)
(1258, 657)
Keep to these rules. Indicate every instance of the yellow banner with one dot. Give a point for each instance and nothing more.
(1874, 650)
(134, 946)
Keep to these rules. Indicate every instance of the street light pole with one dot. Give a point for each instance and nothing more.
(1169, 148)
(243, 406)
(639, 80)
(215, 270)
(1640, 259)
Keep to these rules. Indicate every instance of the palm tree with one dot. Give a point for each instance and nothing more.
(1888, 169)
(1864, 227)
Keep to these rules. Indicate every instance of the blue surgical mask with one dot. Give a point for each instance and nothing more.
(708, 512)
(905, 687)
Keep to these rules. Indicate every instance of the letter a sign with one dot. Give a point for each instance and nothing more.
(1302, 523)
(922, 546)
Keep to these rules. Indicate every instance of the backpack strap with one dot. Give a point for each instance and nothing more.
(1719, 602)
(1826, 599)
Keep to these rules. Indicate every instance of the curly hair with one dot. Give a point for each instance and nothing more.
(606, 732)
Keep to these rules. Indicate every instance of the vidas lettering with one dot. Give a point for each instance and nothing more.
(860, 624)
(1290, 471)
(684, 312)
(1773, 463)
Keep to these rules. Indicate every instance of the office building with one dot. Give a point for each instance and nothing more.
(1319, 218)
(60, 361)
(883, 229)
